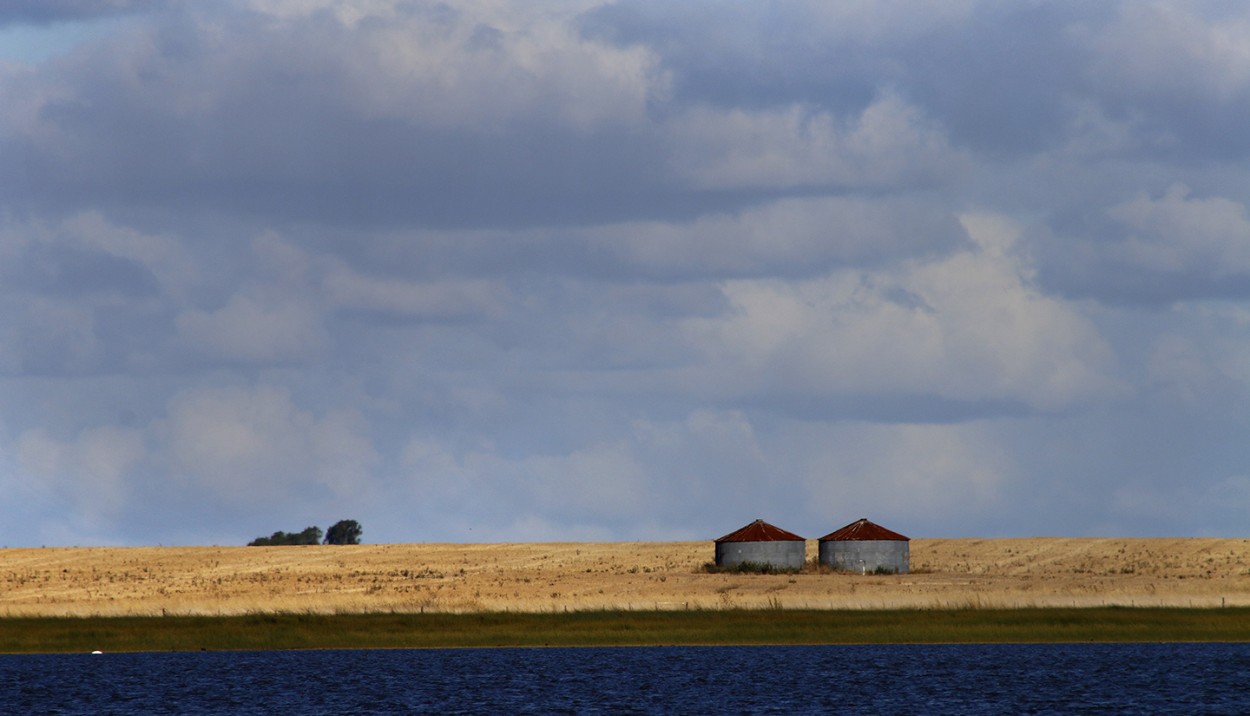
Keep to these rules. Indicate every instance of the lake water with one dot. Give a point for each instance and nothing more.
(888, 679)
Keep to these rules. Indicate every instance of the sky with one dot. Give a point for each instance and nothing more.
(490, 271)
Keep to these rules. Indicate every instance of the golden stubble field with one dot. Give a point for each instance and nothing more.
(946, 573)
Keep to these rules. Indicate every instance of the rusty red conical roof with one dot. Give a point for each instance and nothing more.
(865, 530)
(760, 531)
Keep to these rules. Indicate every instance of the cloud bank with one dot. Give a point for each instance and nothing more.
(625, 270)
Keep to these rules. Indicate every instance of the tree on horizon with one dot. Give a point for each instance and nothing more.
(310, 535)
(344, 532)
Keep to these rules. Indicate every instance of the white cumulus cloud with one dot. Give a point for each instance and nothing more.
(970, 326)
(888, 144)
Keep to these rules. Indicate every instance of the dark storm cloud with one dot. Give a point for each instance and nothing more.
(272, 125)
(74, 272)
(51, 11)
(362, 173)
(1150, 250)
(777, 54)
(1006, 91)
(1003, 78)
(794, 237)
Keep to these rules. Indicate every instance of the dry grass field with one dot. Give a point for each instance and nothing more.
(946, 573)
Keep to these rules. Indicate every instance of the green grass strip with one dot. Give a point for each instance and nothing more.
(620, 628)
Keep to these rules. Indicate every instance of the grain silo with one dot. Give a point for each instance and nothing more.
(863, 547)
(763, 544)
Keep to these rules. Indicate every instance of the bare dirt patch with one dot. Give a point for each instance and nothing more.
(946, 573)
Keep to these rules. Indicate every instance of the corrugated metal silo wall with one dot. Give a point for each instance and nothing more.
(866, 555)
(786, 554)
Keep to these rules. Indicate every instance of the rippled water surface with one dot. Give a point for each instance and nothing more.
(963, 679)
